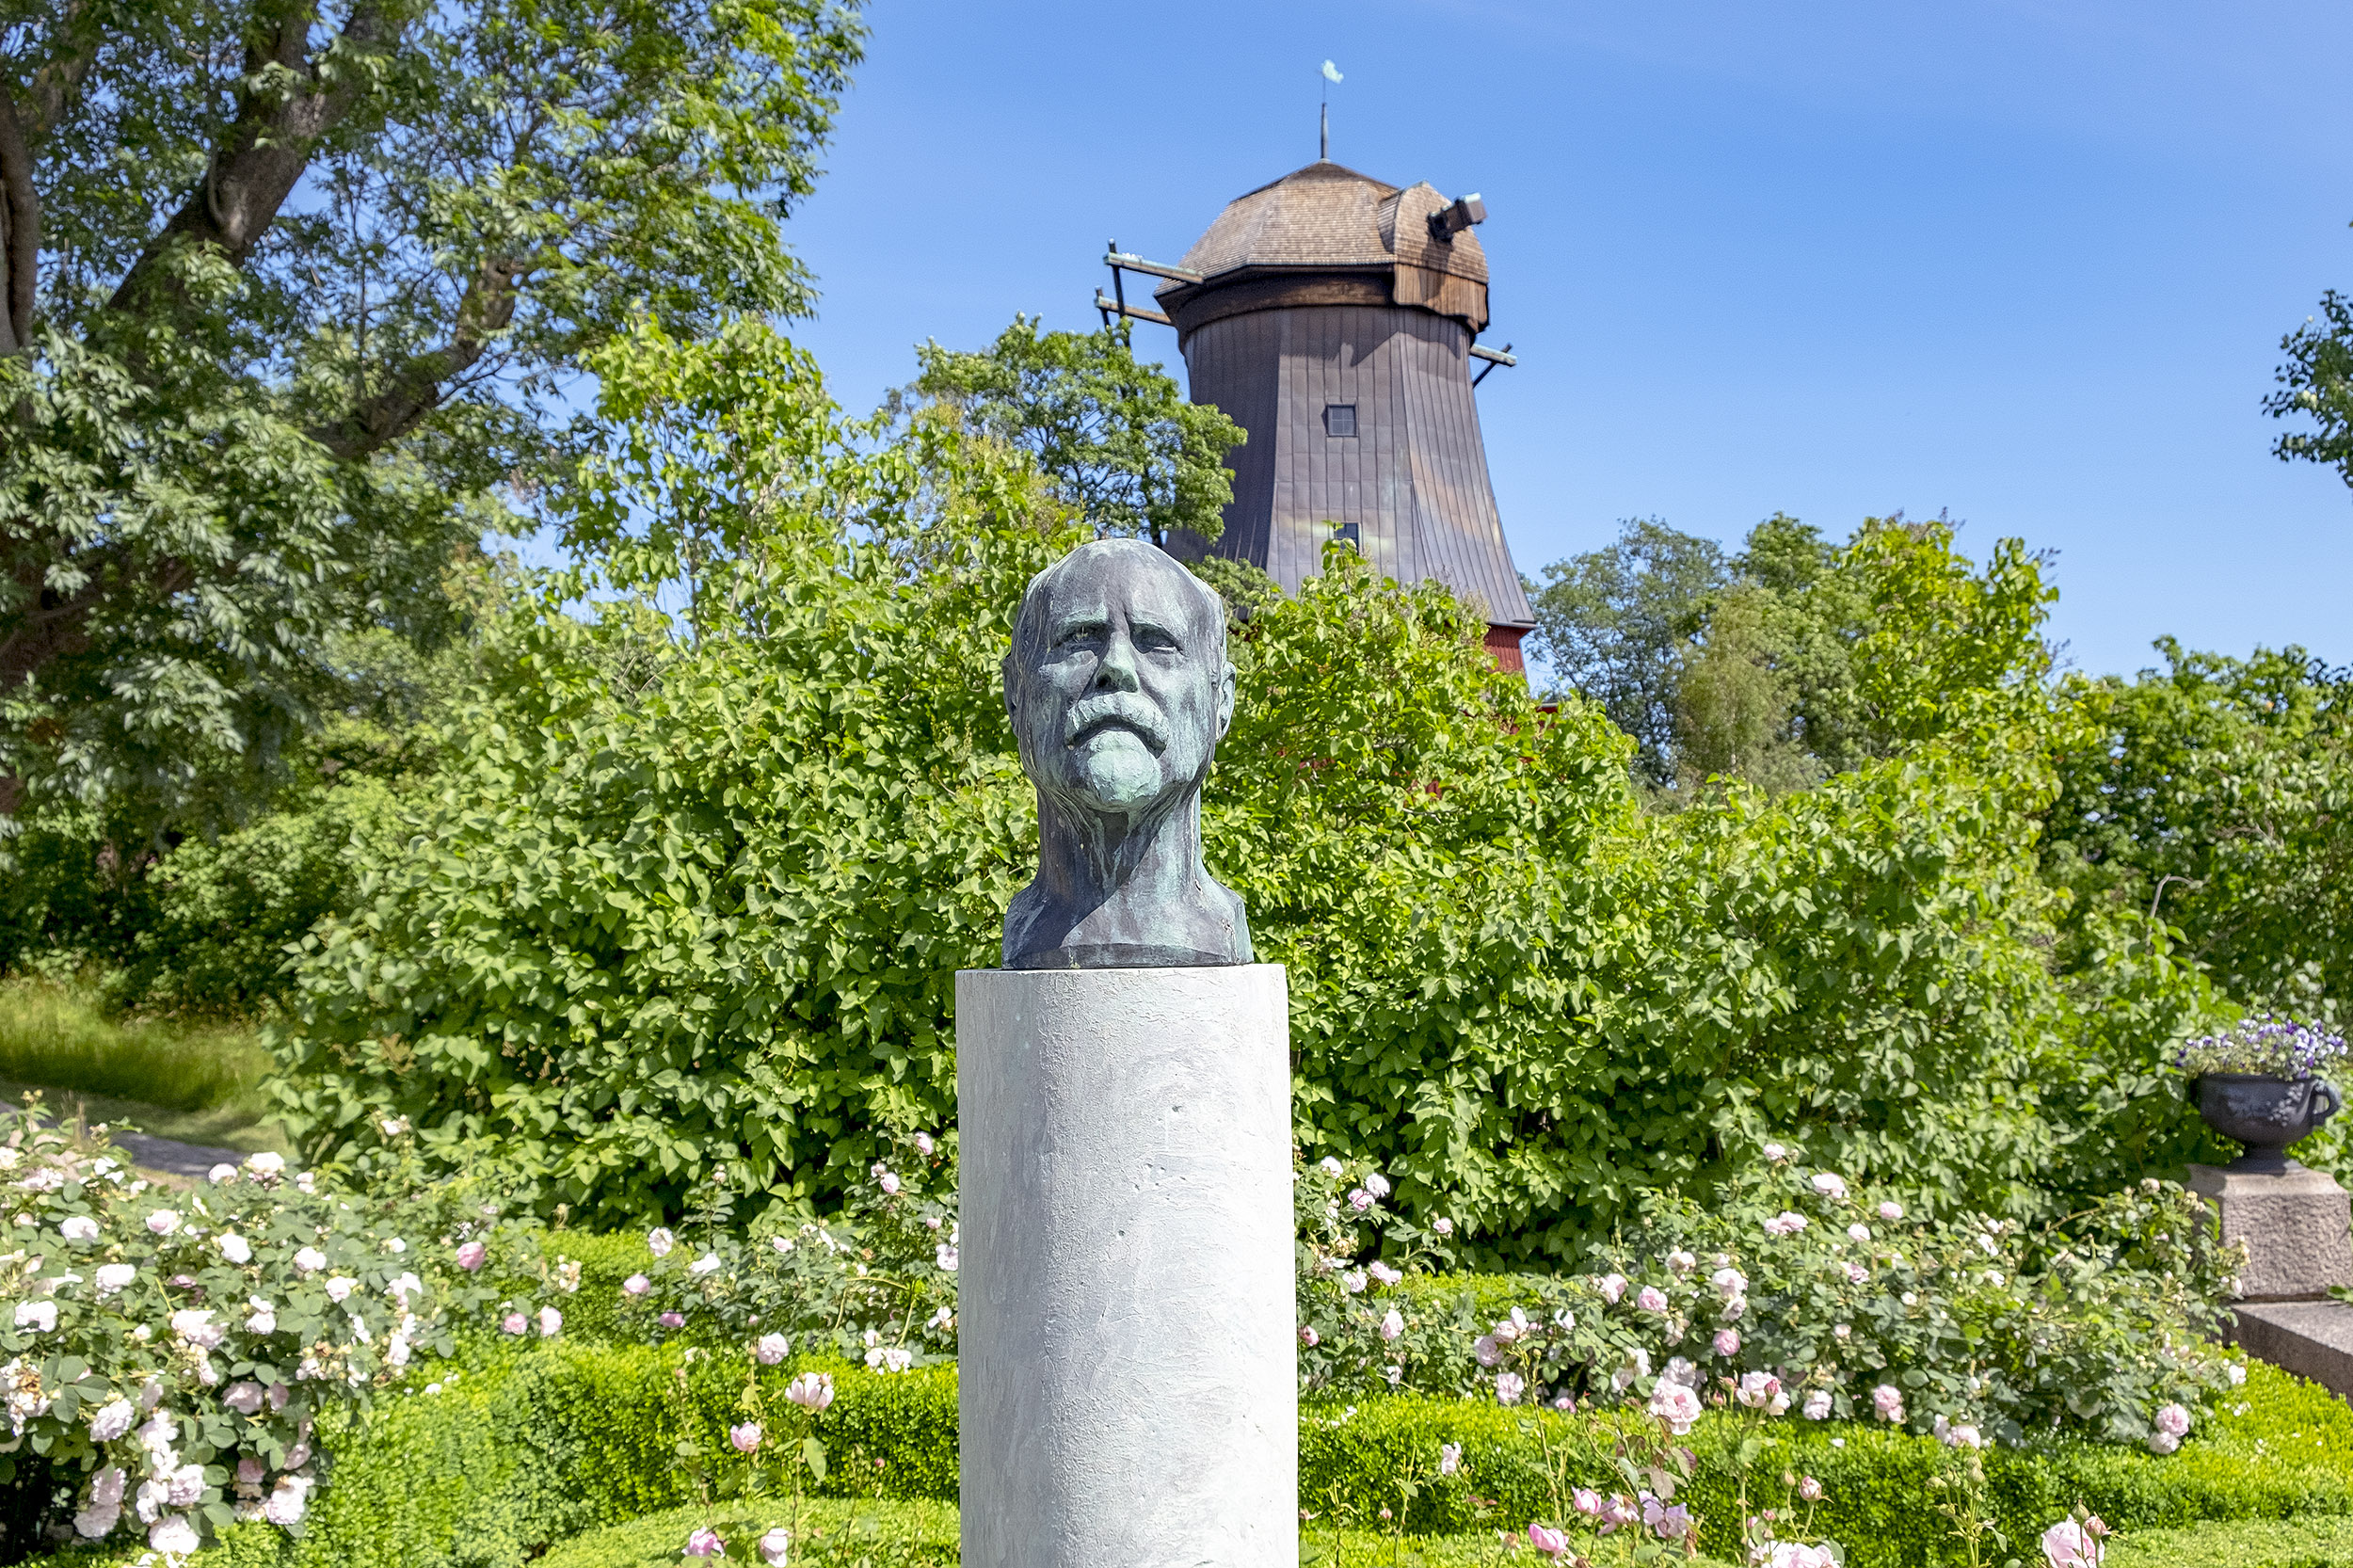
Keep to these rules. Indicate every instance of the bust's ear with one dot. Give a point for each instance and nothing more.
(1226, 702)
(1013, 705)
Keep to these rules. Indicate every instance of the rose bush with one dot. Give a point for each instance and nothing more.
(168, 1352)
(1794, 1291)
(875, 1282)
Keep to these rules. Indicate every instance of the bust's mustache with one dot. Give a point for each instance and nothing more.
(1124, 708)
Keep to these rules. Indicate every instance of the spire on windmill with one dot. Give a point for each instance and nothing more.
(1333, 317)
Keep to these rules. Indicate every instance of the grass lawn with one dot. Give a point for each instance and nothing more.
(198, 1081)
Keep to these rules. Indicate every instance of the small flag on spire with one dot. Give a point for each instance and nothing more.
(1330, 71)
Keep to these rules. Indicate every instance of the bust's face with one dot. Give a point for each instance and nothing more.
(1120, 691)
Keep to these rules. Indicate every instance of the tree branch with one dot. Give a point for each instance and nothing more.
(54, 85)
(265, 148)
(416, 388)
(20, 230)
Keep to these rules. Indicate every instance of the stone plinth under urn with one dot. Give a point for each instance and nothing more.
(2297, 1225)
(1130, 1392)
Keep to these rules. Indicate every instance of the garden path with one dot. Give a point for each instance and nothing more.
(173, 1158)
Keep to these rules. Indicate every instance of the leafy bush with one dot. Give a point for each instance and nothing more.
(1790, 1290)
(883, 1290)
(2211, 797)
(490, 1466)
(517, 1454)
(699, 921)
(172, 1356)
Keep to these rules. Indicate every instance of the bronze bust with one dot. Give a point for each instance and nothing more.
(1119, 690)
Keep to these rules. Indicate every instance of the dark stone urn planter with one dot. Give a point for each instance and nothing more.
(2265, 1113)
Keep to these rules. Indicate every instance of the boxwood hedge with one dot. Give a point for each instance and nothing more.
(526, 1451)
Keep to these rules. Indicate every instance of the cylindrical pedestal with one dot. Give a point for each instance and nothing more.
(1130, 1384)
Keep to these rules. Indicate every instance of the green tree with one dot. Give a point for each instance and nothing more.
(2316, 382)
(1616, 624)
(2212, 800)
(1793, 658)
(288, 289)
(1115, 438)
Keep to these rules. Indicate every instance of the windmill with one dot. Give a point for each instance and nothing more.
(1336, 318)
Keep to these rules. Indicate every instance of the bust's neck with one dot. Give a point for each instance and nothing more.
(1088, 857)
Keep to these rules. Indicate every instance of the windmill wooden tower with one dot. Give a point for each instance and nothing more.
(1336, 318)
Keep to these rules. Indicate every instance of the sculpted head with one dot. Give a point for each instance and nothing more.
(1118, 681)
(1119, 691)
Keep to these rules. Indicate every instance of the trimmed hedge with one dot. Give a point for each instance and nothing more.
(529, 1448)
(532, 1448)
(2290, 1454)
(924, 1535)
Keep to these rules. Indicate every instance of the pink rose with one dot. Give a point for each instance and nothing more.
(1552, 1543)
(746, 1437)
(472, 1256)
(771, 1348)
(514, 1323)
(776, 1542)
(1612, 1287)
(671, 1320)
(636, 1285)
(1676, 1405)
(705, 1543)
(1652, 1299)
(2069, 1544)
(811, 1391)
(1508, 1387)
(1888, 1400)
(2172, 1420)
(1727, 1342)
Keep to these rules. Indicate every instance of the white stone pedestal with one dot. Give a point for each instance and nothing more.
(1129, 1387)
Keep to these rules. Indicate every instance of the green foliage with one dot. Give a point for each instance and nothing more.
(687, 899)
(201, 925)
(1780, 1294)
(300, 293)
(1615, 624)
(489, 1467)
(1116, 439)
(877, 1281)
(190, 1341)
(2212, 796)
(515, 1457)
(2316, 382)
(1795, 659)
(2283, 1459)
(2307, 1543)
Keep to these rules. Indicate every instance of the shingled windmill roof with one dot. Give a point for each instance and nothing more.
(1327, 218)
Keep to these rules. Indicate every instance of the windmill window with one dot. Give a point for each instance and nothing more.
(1339, 419)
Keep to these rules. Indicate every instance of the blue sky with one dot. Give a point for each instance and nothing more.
(2028, 263)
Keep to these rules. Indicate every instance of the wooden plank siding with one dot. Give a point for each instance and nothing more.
(1414, 478)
